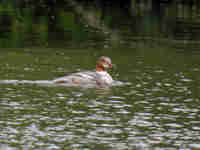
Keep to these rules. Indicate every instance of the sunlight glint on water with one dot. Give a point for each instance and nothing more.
(158, 109)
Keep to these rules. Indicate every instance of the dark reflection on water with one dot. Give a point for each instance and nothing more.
(158, 110)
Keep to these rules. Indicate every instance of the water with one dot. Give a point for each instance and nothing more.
(158, 109)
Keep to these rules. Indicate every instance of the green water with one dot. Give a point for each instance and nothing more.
(159, 108)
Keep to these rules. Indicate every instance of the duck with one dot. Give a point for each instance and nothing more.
(98, 78)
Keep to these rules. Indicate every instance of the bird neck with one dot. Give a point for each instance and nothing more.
(99, 68)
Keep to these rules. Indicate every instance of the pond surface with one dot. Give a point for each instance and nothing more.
(159, 108)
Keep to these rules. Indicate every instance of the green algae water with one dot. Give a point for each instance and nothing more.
(159, 108)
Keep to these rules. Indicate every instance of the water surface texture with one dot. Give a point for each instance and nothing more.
(159, 108)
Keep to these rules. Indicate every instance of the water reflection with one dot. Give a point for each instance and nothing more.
(158, 110)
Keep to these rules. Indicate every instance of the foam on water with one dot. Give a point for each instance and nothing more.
(52, 83)
(26, 82)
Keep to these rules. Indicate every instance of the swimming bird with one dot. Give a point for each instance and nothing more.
(100, 77)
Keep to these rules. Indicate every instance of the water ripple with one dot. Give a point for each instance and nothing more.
(157, 108)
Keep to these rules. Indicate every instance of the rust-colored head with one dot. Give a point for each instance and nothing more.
(103, 63)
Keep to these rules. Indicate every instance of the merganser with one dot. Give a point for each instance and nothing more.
(99, 78)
